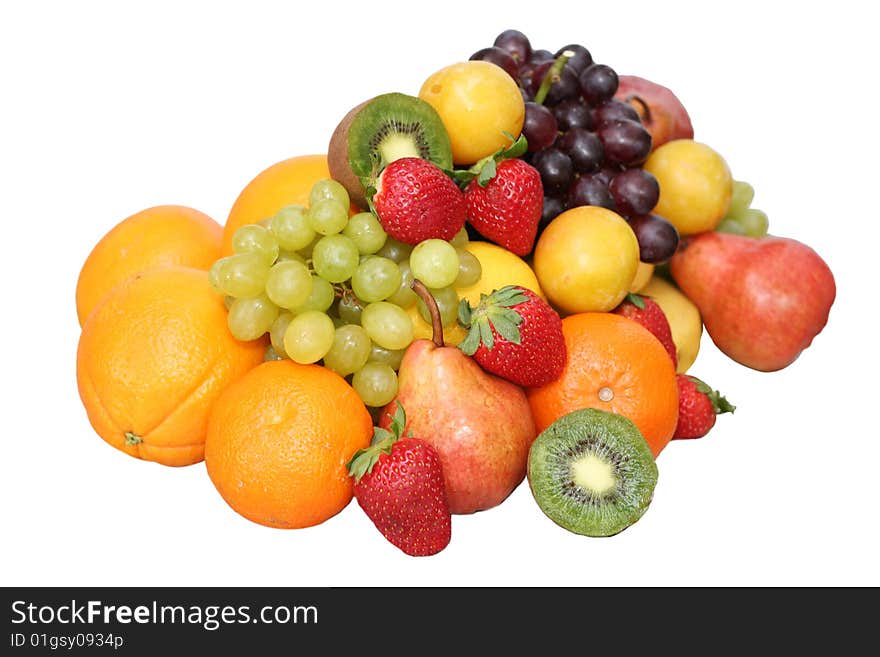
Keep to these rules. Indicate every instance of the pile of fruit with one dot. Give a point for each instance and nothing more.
(505, 276)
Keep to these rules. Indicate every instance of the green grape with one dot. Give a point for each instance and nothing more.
(309, 337)
(435, 263)
(306, 251)
(228, 301)
(469, 269)
(277, 331)
(271, 354)
(265, 223)
(390, 357)
(289, 284)
(731, 225)
(755, 222)
(320, 298)
(249, 319)
(460, 239)
(350, 309)
(404, 295)
(327, 188)
(243, 275)
(375, 279)
(350, 350)
(375, 383)
(394, 250)
(215, 278)
(285, 256)
(328, 216)
(291, 228)
(447, 303)
(387, 325)
(335, 258)
(337, 322)
(366, 231)
(741, 199)
(253, 238)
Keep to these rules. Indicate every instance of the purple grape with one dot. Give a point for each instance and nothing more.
(499, 57)
(515, 43)
(589, 190)
(555, 169)
(563, 88)
(584, 148)
(607, 172)
(553, 207)
(572, 113)
(625, 142)
(614, 110)
(598, 83)
(658, 239)
(539, 127)
(635, 191)
(539, 56)
(581, 59)
(539, 70)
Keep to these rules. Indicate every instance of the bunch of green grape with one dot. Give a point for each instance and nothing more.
(335, 289)
(742, 219)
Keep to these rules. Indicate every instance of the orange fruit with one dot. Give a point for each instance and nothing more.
(279, 440)
(153, 356)
(284, 183)
(614, 364)
(162, 235)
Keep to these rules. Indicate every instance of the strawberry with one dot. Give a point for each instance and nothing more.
(698, 405)
(505, 200)
(415, 200)
(649, 314)
(514, 334)
(398, 482)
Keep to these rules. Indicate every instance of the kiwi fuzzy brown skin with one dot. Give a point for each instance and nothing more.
(337, 159)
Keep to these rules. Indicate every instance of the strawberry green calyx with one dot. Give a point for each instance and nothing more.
(484, 170)
(719, 403)
(636, 299)
(383, 440)
(494, 311)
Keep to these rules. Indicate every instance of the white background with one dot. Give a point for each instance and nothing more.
(108, 109)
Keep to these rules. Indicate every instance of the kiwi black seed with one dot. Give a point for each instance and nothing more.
(381, 130)
(592, 472)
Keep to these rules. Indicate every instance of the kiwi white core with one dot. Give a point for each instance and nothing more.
(396, 146)
(593, 473)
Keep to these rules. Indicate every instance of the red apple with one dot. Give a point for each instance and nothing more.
(762, 300)
(662, 112)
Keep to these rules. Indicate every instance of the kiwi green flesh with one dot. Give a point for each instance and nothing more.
(392, 126)
(592, 472)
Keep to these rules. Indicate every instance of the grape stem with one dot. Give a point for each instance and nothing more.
(552, 75)
(436, 323)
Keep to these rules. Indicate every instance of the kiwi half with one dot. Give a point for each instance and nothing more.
(382, 130)
(592, 472)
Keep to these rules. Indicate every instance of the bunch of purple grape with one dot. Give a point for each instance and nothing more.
(587, 146)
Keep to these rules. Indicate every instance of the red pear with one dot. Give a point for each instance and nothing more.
(481, 425)
(659, 108)
(763, 300)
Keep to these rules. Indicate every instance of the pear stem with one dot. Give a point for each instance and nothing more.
(436, 323)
